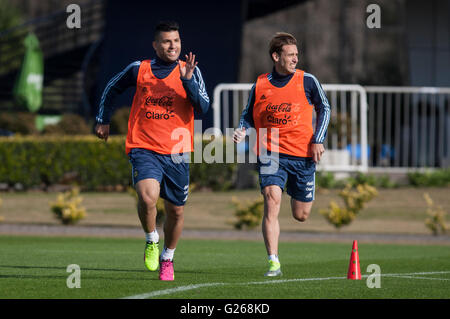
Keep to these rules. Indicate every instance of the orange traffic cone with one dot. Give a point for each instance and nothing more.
(354, 272)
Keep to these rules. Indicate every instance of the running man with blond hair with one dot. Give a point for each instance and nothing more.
(283, 101)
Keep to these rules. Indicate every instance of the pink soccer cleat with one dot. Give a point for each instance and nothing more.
(166, 270)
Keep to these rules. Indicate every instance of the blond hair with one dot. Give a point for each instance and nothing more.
(278, 40)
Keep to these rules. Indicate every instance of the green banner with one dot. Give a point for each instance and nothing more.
(28, 88)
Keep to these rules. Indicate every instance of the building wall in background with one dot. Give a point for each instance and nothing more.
(412, 47)
(334, 41)
(429, 42)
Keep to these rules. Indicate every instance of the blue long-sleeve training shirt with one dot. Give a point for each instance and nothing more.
(195, 87)
(314, 93)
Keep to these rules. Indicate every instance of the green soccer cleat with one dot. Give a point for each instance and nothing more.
(274, 269)
(151, 256)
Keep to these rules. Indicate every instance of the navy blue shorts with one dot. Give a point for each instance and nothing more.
(297, 173)
(172, 177)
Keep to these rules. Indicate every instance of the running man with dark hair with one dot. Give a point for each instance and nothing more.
(167, 92)
(284, 100)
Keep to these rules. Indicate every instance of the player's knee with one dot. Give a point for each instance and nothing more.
(175, 212)
(272, 198)
(148, 200)
(301, 214)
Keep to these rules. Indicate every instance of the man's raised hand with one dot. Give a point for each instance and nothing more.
(188, 70)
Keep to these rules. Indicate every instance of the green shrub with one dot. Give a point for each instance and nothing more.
(436, 217)
(361, 178)
(70, 124)
(383, 181)
(327, 180)
(119, 121)
(67, 207)
(338, 216)
(355, 199)
(33, 161)
(213, 176)
(1, 217)
(10, 15)
(18, 122)
(249, 213)
(12, 43)
(437, 178)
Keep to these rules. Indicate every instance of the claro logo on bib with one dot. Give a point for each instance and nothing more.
(166, 102)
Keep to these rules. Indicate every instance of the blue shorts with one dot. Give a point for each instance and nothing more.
(172, 177)
(297, 172)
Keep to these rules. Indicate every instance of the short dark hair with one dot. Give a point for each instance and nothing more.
(280, 39)
(166, 26)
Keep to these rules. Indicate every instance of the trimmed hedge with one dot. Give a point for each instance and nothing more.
(92, 163)
(33, 161)
(436, 178)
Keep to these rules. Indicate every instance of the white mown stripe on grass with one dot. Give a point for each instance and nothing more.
(169, 291)
(419, 273)
(172, 290)
(426, 278)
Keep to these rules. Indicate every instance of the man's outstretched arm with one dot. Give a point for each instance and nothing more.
(118, 84)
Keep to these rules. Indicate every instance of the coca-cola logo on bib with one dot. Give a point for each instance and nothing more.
(164, 101)
(283, 107)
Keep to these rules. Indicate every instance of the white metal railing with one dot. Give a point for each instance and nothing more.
(408, 127)
(348, 119)
(240, 94)
(394, 129)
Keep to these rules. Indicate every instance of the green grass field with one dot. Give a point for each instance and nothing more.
(35, 267)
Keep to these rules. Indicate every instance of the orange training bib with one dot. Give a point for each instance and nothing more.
(286, 109)
(160, 106)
